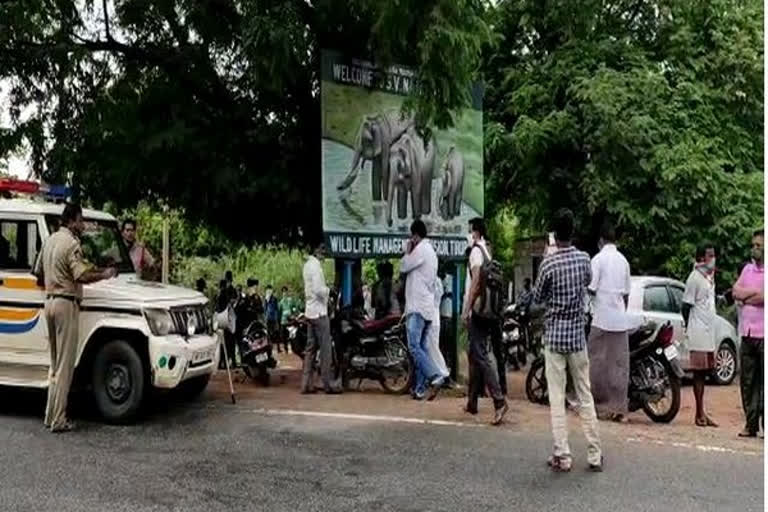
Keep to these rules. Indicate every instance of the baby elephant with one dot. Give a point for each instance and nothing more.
(453, 185)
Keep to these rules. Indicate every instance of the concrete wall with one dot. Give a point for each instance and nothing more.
(529, 252)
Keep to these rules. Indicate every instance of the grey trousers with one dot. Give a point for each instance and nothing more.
(318, 338)
(62, 318)
(481, 373)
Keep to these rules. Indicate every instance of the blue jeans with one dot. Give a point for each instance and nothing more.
(418, 335)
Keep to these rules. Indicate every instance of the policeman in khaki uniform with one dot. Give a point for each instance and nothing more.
(60, 267)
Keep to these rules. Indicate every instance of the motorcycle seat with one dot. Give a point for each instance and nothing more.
(374, 326)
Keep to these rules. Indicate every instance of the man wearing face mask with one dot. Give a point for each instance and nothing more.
(699, 317)
(749, 291)
(480, 327)
(419, 265)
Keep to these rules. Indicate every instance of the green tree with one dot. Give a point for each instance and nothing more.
(212, 106)
(648, 113)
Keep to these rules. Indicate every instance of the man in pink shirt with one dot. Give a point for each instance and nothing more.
(749, 290)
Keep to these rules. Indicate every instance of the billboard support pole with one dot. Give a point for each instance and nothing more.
(457, 298)
(346, 283)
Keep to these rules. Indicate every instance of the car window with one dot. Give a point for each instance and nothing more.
(19, 244)
(677, 298)
(101, 242)
(656, 298)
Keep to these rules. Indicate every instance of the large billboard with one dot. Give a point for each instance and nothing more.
(380, 172)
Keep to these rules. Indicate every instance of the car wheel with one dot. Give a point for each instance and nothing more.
(725, 364)
(119, 382)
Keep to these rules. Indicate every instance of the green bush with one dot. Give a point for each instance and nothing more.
(270, 265)
(187, 238)
(197, 251)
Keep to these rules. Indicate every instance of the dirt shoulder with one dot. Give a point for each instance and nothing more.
(724, 405)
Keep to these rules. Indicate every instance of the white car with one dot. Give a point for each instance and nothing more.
(134, 335)
(661, 299)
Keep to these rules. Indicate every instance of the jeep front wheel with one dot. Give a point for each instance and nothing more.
(118, 381)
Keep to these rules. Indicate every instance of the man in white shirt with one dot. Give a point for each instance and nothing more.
(480, 328)
(419, 265)
(608, 343)
(699, 316)
(319, 327)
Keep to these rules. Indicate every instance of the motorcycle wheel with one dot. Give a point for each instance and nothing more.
(511, 358)
(400, 384)
(536, 383)
(263, 376)
(665, 410)
(522, 355)
(259, 373)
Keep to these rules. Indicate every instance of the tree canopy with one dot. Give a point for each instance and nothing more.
(212, 105)
(646, 113)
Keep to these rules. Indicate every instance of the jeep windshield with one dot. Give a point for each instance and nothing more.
(102, 243)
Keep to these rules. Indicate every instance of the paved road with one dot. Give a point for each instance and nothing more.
(198, 457)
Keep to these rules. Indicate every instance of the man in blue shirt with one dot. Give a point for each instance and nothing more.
(272, 316)
(561, 286)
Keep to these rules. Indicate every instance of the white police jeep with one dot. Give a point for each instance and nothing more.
(134, 335)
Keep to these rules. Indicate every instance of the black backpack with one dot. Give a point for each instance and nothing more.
(493, 298)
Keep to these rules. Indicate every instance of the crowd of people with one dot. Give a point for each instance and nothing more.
(243, 305)
(596, 356)
(571, 287)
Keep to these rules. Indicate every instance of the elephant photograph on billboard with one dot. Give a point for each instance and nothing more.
(380, 171)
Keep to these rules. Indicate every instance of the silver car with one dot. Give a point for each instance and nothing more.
(661, 299)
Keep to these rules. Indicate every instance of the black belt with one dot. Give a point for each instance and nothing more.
(65, 297)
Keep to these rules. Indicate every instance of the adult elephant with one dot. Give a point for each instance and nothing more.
(412, 166)
(453, 184)
(374, 140)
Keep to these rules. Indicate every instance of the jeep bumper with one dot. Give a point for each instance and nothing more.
(174, 359)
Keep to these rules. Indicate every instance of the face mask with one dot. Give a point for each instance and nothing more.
(757, 255)
(710, 265)
(470, 240)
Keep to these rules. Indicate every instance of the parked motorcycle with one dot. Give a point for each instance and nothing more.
(361, 349)
(372, 349)
(517, 334)
(256, 352)
(655, 374)
(296, 331)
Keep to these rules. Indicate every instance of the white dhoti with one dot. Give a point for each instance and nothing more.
(433, 348)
